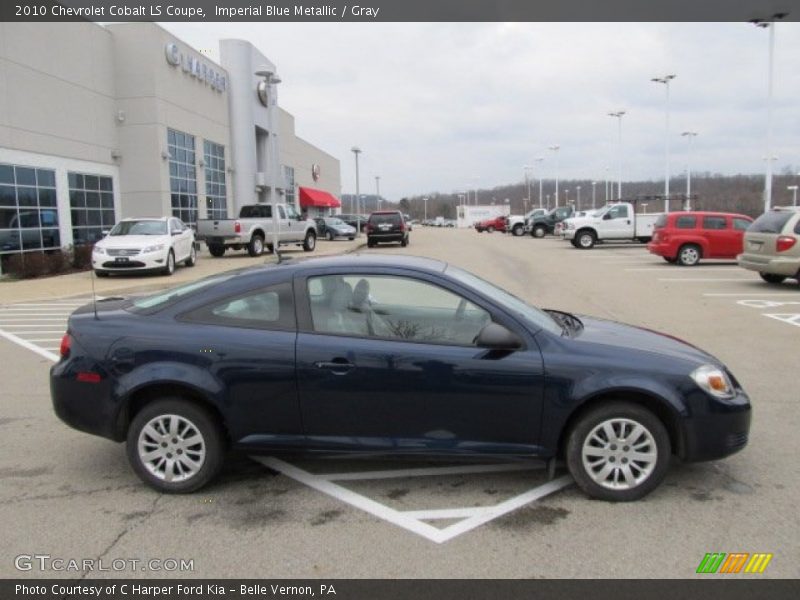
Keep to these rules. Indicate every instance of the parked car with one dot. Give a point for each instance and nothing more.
(449, 223)
(387, 226)
(136, 245)
(616, 222)
(517, 223)
(254, 230)
(498, 223)
(332, 227)
(686, 237)
(356, 221)
(542, 224)
(772, 245)
(389, 354)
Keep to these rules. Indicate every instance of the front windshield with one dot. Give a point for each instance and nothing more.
(535, 316)
(148, 227)
(335, 222)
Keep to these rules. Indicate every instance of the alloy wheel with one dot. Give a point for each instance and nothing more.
(171, 448)
(619, 454)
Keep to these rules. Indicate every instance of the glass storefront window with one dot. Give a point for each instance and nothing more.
(182, 176)
(28, 214)
(91, 201)
(288, 179)
(216, 190)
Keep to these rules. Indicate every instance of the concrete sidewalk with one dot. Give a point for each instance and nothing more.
(80, 284)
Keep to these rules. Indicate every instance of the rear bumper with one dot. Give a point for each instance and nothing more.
(661, 249)
(788, 266)
(398, 236)
(222, 240)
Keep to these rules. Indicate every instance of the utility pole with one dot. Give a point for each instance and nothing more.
(665, 80)
(378, 191)
(356, 151)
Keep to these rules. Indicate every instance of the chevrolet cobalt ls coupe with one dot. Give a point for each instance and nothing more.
(387, 355)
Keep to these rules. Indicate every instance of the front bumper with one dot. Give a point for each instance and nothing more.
(716, 428)
(568, 234)
(787, 266)
(151, 261)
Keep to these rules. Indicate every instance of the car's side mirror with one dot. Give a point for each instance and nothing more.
(105, 232)
(498, 337)
(606, 216)
(175, 232)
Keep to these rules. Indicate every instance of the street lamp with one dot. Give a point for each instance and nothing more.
(578, 201)
(665, 80)
(548, 202)
(793, 189)
(539, 159)
(618, 115)
(607, 170)
(356, 151)
(689, 135)
(594, 184)
(378, 191)
(555, 148)
(769, 24)
(527, 169)
(269, 96)
(566, 198)
(425, 200)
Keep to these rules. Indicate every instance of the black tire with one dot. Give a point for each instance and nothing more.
(256, 245)
(329, 236)
(629, 412)
(539, 231)
(192, 259)
(586, 239)
(310, 242)
(216, 250)
(270, 248)
(689, 255)
(169, 269)
(771, 278)
(404, 242)
(204, 423)
(101, 273)
(670, 259)
(643, 240)
(490, 229)
(574, 243)
(517, 230)
(351, 238)
(370, 244)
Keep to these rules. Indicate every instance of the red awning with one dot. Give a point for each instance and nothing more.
(312, 197)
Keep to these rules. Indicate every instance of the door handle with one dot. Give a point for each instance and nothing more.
(338, 366)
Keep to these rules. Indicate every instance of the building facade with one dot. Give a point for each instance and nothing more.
(99, 123)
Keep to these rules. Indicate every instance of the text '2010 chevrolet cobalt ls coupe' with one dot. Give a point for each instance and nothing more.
(387, 355)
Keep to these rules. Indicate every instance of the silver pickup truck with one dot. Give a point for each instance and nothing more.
(254, 230)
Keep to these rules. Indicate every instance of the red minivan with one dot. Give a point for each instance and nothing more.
(686, 237)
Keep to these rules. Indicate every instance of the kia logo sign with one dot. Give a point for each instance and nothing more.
(315, 171)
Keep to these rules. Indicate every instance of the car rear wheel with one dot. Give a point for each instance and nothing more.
(404, 242)
(310, 242)
(770, 278)
(170, 268)
(618, 452)
(689, 255)
(490, 229)
(256, 245)
(329, 236)
(191, 260)
(517, 230)
(539, 231)
(216, 250)
(175, 446)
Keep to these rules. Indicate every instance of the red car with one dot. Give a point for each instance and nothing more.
(686, 237)
(495, 224)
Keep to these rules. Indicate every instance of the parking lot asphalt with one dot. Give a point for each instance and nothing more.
(70, 495)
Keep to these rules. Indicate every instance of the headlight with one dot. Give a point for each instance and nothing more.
(98, 250)
(155, 248)
(714, 381)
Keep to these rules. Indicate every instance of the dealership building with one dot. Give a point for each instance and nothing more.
(99, 123)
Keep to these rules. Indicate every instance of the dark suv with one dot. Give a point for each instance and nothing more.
(387, 226)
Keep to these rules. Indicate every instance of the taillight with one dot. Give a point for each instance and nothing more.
(89, 377)
(369, 227)
(66, 344)
(402, 225)
(237, 227)
(784, 243)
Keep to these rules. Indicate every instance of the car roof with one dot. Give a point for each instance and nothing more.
(351, 261)
(712, 213)
(386, 212)
(145, 219)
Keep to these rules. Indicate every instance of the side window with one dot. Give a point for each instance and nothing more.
(686, 222)
(265, 308)
(291, 211)
(797, 227)
(619, 212)
(740, 224)
(714, 223)
(281, 212)
(397, 308)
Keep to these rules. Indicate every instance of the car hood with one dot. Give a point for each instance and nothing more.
(638, 339)
(132, 241)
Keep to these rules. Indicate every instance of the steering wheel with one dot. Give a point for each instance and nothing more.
(462, 305)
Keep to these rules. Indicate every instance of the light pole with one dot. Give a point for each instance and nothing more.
(539, 160)
(665, 80)
(793, 189)
(769, 24)
(527, 169)
(689, 135)
(618, 115)
(607, 170)
(555, 148)
(578, 201)
(272, 79)
(378, 191)
(425, 200)
(594, 184)
(548, 202)
(356, 151)
(566, 198)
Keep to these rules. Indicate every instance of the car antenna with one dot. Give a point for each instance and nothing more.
(94, 295)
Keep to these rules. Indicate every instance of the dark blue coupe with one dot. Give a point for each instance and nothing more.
(387, 355)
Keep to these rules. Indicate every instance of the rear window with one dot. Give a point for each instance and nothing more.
(771, 222)
(392, 218)
(714, 223)
(162, 299)
(686, 222)
(256, 212)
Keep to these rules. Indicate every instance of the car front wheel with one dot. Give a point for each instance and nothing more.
(770, 278)
(310, 242)
(618, 452)
(170, 268)
(191, 260)
(538, 231)
(586, 240)
(517, 230)
(175, 446)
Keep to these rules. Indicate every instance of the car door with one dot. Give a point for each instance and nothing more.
(617, 223)
(719, 236)
(387, 362)
(294, 223)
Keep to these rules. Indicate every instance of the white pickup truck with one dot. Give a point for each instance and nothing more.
(255, 230)
(613, 223)
(516, 223)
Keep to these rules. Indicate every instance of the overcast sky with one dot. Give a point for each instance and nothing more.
(443, 106)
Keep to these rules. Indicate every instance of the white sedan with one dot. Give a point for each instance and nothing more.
(156, 244)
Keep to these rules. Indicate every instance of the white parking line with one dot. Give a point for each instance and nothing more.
(26, 344)
(750, 294)
(413, 521)
(706, 279)
(790, 318)
(665, 268)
